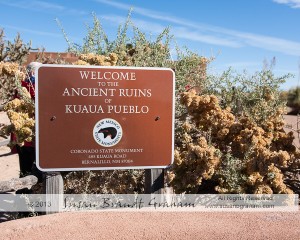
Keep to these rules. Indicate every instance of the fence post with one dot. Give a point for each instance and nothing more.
(53, 186)
(154, 180)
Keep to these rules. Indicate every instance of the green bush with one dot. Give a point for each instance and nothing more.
(16, 51)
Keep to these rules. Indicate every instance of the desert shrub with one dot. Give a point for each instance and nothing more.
(11, 75)
(43, 58)
(231, 175)
(135, 50)
(100, 60)
(16, 51)
(239, 118)
(20, 111)
(110, 182)
(12, 55)
(253, 95)
(21, 115)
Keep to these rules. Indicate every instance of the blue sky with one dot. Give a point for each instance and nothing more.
(239, 33)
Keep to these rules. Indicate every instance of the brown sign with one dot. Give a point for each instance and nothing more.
(91, 117)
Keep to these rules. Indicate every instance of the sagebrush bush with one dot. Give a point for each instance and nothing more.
(256, 96)
(16, 51)
(11, 75)
(259, 148)
(20, 111)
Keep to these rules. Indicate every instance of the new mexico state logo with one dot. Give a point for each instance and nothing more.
(107, 132)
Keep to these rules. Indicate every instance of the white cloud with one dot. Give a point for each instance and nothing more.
(185, 33)
(214, 34)
(156, 28)
(44, 5)
(287, 71)
(242, 65)
(178, 32)
(35, 5)
(290, 3)
(270, 43)
(36, 32)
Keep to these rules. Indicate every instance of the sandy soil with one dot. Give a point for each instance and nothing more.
(9, 163)
(158, 225)
(147, 225)
(3, 118)
(293, 125)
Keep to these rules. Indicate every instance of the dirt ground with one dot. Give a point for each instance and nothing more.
(9, 163)
(147, 225)
(157, 225)
(293, 125)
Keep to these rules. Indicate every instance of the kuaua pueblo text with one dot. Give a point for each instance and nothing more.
(128, 109)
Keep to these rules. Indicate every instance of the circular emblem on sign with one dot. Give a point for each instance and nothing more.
(107, 132)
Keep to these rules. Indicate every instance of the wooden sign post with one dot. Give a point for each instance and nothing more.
(154, 180)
